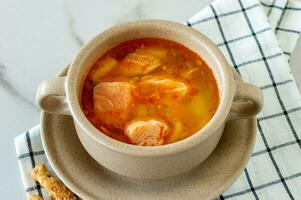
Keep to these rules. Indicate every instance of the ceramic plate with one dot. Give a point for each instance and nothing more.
(89, 180)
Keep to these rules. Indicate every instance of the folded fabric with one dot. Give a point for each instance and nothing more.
(30, 152)
(257, 38)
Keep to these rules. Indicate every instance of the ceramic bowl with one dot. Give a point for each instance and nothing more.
(237, 100)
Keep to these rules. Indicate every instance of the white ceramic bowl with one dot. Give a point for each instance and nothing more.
(62, 96)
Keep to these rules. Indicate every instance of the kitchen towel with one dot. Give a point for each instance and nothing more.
(257, 38)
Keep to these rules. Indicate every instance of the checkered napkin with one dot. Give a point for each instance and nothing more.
(257, 38)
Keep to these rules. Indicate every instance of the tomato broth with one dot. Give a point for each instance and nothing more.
(149, 92)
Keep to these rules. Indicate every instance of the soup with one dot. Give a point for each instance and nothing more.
(149, 92)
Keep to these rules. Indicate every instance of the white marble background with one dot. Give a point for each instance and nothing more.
(38, 38)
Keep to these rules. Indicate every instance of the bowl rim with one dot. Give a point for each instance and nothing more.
(200, 136)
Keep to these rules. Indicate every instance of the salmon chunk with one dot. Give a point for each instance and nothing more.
(146, 132)
(160, 88)
(140, 62)
(112, 101)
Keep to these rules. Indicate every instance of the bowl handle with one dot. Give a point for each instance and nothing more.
(247, 102)
(51, 96)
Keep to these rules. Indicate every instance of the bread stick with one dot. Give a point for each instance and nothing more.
(34, 197)
(55, 189)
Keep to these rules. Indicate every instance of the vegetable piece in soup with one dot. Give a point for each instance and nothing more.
(149, 92)
(102, 67)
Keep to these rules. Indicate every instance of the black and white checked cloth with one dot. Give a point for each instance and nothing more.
(257, 38)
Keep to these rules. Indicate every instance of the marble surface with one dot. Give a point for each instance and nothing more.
(39, 37)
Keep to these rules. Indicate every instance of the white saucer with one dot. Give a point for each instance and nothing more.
(89, 180)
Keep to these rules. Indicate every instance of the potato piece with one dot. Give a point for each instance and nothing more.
(156, 51)
(53, 186)
(199, 106)
(104, 66)
(176, 133)
(139, 63)
(146, 132)
(187, 74)
(141, 110)
(34, 197)
(112, 102)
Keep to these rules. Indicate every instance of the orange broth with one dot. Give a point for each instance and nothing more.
(184, 116)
